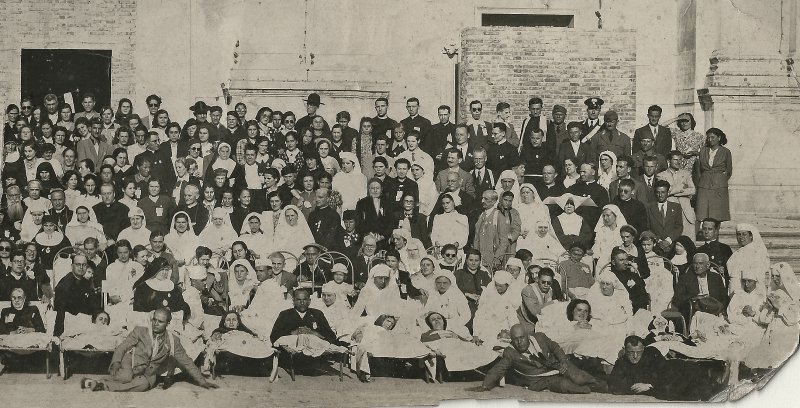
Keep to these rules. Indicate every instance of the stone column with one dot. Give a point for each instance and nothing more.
(752, 93)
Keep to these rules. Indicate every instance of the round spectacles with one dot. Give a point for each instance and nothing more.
(450, 255)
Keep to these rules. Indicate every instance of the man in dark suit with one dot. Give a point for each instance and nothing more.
(556, 130)
(416, 122)
(144, 355)
(479, 130)
(174, 147)
(587, 186)
(75, 294)
(501, 153)
(661, 134)
(550, 187)
(301, 319)
(574, 149)
(533, 354)
(624, 169)
(698, 283)
(634, 211)
(483, 177)
(442, 134)
(382, 124)
(717, 252)
(534, 120)
(664, 217)
(62, 214)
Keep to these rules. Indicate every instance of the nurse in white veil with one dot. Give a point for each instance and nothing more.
(350, 182)
(607, 233)
(292, 232)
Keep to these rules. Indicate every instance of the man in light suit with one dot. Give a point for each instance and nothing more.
(681, 190)
(479, 130)
(665, 218)
(144, 355)
(661, 134)
(533, 355)
(94, 148)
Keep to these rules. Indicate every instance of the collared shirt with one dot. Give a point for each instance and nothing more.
(702, 285)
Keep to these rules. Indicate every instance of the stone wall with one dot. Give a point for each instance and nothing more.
(68, 24)
(562, 66)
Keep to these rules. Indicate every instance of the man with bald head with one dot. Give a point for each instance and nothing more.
(324, 221)
(699, 284)
(531, 355)
(144, 355)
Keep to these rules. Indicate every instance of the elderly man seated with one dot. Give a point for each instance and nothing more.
(541, 365)
(699, 284)
(21, 325)
(146, 353)
(643, 370)
(305, 330)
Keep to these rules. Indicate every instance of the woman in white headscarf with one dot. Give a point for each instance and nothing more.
(781, 315)
(242, 284)
(542, 241)
(752, 255)
(137, 233)
(607, 168)
(218, 235)
(223, 160)
(745, 304)
(411, 255)
(450, 302)
(449, 227)
(611, 314)
(350, 182)
(508, 182)
(292, 232)
(530, 207)
(607, 233)
(254, 237)
(83, 225)
(497, 311)
(32, 220)
(427, 188)
(181, 239)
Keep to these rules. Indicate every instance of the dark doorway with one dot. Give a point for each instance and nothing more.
(67, 71)
(527, 20)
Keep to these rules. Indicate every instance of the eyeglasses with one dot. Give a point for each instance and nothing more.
(26, 107)
(5, 248)
(477, 109)
(194, 148)
(546, 283)
(154, 104)
(449, 255)
(288, 121)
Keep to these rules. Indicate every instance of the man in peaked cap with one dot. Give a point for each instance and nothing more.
(312, 105)
(592, 124)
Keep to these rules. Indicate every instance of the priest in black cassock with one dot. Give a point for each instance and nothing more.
(587, 187)
(302, 319)
(717, 252)
(324, 221)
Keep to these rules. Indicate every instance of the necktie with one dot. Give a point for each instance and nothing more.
(559, 128)
(413, 158)
(649, 183)
(664, 210)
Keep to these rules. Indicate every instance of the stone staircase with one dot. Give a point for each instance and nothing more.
(780, 235)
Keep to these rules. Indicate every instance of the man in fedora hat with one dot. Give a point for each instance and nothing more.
(200, 109)
(312, 105)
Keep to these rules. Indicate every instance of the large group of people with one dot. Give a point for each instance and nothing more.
(566, 250)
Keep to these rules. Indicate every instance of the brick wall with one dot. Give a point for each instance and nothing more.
(561, 66)
(79, 24)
